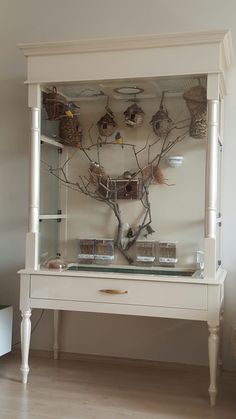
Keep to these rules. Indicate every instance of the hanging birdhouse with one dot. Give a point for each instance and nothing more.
(161, 121)
(196, 101)
(70, 131)
(55, 104)
(106, 125)
(95, 172)
(134, 116)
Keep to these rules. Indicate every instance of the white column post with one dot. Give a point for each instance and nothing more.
(211, 169)
(211, 176)
(34, 192)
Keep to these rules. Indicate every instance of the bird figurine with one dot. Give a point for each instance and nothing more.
(127, 175)
(71, 109)
(119, 139)
(130, 233)
(68, 111)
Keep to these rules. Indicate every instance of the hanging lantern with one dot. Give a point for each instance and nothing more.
(134, 116)
(196, 101)
(161, 121)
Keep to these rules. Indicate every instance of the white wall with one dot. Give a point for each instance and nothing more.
(33, 21)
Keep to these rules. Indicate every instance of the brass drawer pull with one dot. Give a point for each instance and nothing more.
(110, 291)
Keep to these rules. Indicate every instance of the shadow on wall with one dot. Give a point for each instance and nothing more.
(13, 188)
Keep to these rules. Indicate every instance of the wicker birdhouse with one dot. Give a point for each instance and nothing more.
(54, 104)
(161, 121)
(106, 125)
(196, 101)
(70, 131)
(134, 116)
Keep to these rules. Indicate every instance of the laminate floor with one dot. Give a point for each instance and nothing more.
(67, 389)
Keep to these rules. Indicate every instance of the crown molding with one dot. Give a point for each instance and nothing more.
(222, 37)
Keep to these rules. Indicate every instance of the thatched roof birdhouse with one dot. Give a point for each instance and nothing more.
(106, 125)
(161, 121)
(196, 101)
(134, 116)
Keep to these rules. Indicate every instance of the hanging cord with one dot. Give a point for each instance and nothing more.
(107, 107)
(33, 329)
(162, 100)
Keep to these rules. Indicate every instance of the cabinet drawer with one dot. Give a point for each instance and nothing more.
(119, 291)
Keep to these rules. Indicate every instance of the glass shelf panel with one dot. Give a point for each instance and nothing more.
(49, 184)
(177, 203)
(50, 239)
(131, 270)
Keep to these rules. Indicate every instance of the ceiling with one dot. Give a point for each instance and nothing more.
(148, 88)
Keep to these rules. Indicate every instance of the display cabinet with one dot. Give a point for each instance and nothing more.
(125, 203)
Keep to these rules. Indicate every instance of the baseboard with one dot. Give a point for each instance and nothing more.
(132, 362)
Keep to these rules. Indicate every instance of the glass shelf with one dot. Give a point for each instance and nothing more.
(130, 270)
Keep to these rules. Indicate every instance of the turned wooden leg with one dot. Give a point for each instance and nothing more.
(220, 361)
(213, 348)
(25, 344)
(56, 333)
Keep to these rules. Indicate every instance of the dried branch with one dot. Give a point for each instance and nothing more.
(103, 190)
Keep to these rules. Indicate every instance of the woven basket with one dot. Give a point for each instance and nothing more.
(70, 131)
(196, 101)
(54, 105)
(161, 122)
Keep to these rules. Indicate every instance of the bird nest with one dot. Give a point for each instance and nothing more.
(196, 101)
(161, 122)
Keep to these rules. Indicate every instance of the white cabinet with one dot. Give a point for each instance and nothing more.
(6, 316)
(117, 183)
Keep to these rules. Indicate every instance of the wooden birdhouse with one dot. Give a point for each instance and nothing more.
(106, 125)
(134, 116)
(120, 188)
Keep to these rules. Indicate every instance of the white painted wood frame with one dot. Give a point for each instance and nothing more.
(204, 53)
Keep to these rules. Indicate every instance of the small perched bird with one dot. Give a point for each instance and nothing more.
(119, 139)
(130, 233)
(71, 109)
(68, 111)
(127, 175)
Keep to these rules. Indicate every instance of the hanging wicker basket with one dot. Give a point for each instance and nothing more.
(161, 122)
(196, 101)
(54, 104)
(70, 131)
(134, 116)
